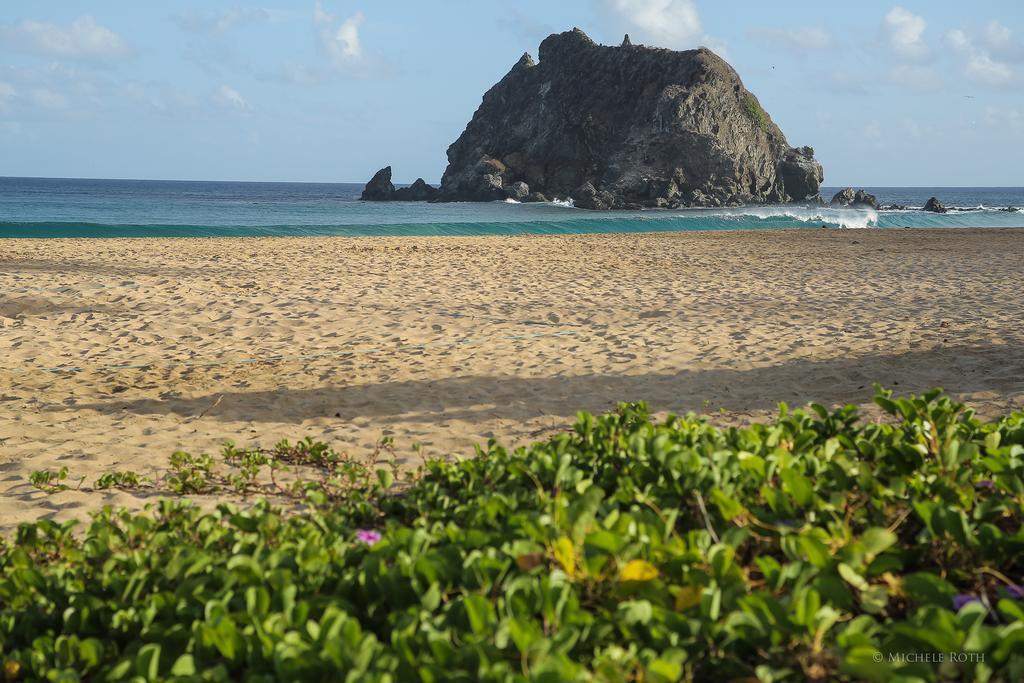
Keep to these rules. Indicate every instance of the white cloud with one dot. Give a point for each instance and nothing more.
(83, 39)
(663, 23)
(230, 98)
(981, 66)
(978, 63)
(905, 31)
(1001, 45)
(802, 38)
(38, 89)
(346, 40)
(997, 35)
(339, 40)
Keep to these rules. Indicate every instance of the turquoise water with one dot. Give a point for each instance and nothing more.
(53, 207)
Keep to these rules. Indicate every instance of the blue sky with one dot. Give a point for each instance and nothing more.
(909, 93)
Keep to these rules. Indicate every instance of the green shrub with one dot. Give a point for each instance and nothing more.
(804, 549)
(756, 113)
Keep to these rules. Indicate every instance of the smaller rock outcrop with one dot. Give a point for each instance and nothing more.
(851, 197)
(483, 181)
(419, 191)
(935, 206)
(518, 191)
(1010, 209)
(587, 196)
(381, 189)
(801, 173)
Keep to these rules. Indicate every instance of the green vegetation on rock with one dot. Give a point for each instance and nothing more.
(815, 547)
(756, 113)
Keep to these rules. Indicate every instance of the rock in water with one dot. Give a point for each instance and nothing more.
(934, 205)
(419, 191)
(623, 127)
(380, 188)
(849, 197)
(519, 191)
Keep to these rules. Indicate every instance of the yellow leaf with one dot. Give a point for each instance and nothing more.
(688, 597)
(639, 570)
(565, 553)
(895, 584)
(11, 669)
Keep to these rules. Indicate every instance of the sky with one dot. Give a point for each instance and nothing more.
(918, 93)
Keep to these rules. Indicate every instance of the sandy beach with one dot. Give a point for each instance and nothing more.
(118, 352)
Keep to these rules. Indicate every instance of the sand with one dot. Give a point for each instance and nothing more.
(447, 342)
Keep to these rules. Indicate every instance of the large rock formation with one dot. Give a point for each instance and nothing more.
(623, 127)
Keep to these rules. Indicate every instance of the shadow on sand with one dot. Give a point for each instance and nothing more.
(959, 370)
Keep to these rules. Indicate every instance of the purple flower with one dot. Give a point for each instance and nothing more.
(984, 484)
(960, 600)
(1016, 592)
(368, 536)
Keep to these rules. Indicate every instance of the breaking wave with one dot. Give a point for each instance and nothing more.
(820, 216)
(560, 218)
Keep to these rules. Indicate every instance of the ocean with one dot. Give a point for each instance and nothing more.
(57, 207)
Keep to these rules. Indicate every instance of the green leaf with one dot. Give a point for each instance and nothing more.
(851, 577)
(385, 478)
(661, 670)
(431, 598)
(817, 552)
(480, 613)
(925, 588)
(877, 540)
(992, 440)
(147, 661)
(874, 599)
(797, 486)
(807, 604)
(90, 652)
(636, 612)
(606, 541)
(184, 666)
(728, 507)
